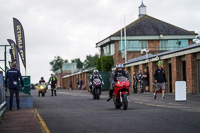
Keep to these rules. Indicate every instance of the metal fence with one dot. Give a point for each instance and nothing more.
(2, 95)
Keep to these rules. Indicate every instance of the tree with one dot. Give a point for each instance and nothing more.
(105, 63)
(79, 63)
(57, 63)
(90, 61)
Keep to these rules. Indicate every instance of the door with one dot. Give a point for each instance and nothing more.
(199, 75)
(183, 71)
(170, 78)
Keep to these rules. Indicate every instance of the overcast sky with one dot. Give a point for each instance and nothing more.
(69, 28)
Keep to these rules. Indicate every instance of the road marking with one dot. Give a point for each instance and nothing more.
(175, 104)
(42, 122)
(138, 102)
(155, 105)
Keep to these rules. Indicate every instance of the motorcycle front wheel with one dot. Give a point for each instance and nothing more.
(97, 94)
(125, 101)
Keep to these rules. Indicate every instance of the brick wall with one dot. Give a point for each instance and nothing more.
(152, 67)
(131, 76)
(153, 44)
(166, 69)
(117, 56)
(176, 71)
(191, 73)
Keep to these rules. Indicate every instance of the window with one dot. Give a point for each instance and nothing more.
(173, 44)
(163, 45)
(109, 49)
(144, 44)
(133, 45)
(112, 49)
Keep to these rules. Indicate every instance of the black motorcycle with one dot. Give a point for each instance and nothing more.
(96, 88)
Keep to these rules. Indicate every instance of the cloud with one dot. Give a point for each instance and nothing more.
(70, 28)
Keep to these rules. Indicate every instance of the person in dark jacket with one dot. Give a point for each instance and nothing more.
(12, 77)
(70, 85)
(53, 81)
(146, 79)
(140, 80)
(135, 81)
(160, 79)
(117, 73)
(80, 84)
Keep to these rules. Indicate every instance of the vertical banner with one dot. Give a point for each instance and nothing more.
(14, 53)
(10, 64)
(20, 40)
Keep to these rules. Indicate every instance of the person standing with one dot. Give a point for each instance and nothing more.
(160, 79)
(70, 84)
(80, 84)
(135, 80)
(140, 80)
(12, 77)
(77, 82)
(53, 81)
(146, 79)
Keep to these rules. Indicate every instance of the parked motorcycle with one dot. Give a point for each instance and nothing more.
(121, 92)
(42, 89)
(96, 88)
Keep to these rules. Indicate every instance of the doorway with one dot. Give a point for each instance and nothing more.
(198, 75)
(170, 78)
(183, 71)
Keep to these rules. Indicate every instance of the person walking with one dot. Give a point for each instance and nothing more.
(160, 80)
(140, 80)
(53, 81)
(135, 81)
(146, 79)
(12, 80)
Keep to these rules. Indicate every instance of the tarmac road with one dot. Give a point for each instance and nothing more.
(76, 112)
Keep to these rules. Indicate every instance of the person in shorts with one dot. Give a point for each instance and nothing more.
(160, 80)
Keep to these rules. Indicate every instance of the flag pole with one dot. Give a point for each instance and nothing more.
(125, 37)
(121, 33)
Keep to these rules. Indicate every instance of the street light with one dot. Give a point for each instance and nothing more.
(145, 50)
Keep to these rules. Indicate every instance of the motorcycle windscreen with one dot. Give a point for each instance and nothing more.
(121, 79)
(97, 80)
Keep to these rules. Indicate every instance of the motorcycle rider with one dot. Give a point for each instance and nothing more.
(119, 72)
(94, 76)
(42, 81)
(53, 81)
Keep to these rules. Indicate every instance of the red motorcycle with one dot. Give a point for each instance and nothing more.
(121, 92)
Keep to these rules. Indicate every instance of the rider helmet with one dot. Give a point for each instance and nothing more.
(119, 67)
(95, 73)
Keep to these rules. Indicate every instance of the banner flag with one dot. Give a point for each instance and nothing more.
(20, 40)
(14, 53)
(10, 64)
